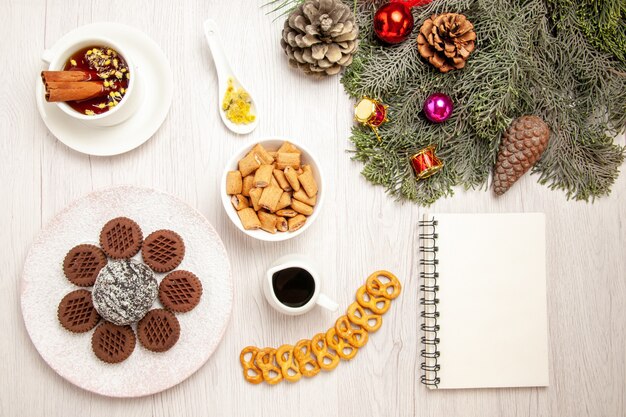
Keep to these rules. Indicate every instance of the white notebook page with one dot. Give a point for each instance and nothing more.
(492, 300)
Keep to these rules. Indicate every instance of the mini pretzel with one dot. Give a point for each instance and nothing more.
(356, 336)
(325, 350)
(289, 367)
(265, 360)
(251, 372)
(344, 349)
(326, 359)
(372, 302)
(307, 363)
(357, 315)
(375, 286)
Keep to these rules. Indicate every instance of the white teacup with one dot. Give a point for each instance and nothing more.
(57, 56)
(307, 273)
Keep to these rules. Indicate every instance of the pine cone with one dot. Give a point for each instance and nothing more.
(446, 41)
(521, 146)
(320, 37)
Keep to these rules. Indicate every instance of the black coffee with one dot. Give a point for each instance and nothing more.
(293, 287)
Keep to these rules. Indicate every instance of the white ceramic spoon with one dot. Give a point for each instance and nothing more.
(224, 72)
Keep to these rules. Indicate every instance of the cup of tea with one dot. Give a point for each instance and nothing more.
(292, 286)
(57, 59)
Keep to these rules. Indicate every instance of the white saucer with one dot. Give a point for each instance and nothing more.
(155, 72)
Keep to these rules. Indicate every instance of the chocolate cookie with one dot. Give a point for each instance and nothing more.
(113, 344)
(121, 238)
(83, 263)
(124, 291)
(180, 291)
(159, 330)
(76, 312)
(163, 250)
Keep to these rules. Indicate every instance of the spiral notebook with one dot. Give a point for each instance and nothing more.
(483, 300)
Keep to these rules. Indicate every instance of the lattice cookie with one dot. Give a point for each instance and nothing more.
(121, 238)
(158, 331)
(83, 263)
(163, 250)
(180, 291)
(112, 343)
(76, 312)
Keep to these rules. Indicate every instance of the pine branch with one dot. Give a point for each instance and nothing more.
(563, 60)
(532, 57)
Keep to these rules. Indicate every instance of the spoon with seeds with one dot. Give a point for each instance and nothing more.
(240, 98)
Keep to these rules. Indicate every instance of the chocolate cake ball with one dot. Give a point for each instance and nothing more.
(124, 291)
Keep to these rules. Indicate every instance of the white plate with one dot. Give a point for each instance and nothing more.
(144, 372)
(155, 84)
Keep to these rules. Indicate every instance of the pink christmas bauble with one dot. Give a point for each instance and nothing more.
(438, 107)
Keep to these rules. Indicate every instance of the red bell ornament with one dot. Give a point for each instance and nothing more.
(393, 22)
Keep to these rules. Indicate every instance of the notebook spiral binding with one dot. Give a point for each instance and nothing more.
(428, 288)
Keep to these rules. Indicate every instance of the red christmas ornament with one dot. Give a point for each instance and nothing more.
(425, 162)
(393, 22)
(413, 3)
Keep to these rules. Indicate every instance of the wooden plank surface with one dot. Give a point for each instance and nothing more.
(360, 230)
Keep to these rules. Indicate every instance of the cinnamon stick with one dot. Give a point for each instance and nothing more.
(73, 91)
(65, 76)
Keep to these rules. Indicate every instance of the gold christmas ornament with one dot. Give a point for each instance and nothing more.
(522, 145)
(320, 37)
(446, 41)
(371, 112)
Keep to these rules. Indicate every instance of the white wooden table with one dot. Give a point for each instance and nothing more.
(360, 230)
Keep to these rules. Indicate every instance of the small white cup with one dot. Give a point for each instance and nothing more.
(295, 261)
(58, 56)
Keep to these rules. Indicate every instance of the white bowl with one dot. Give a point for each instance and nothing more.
(272, 144)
